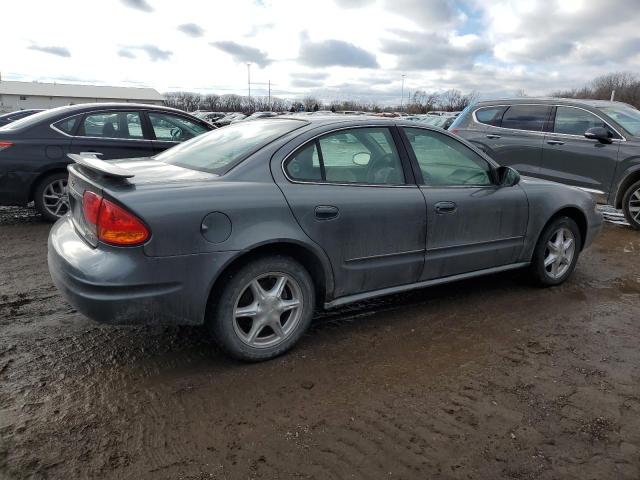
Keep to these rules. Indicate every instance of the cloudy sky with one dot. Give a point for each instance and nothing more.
(345, 49)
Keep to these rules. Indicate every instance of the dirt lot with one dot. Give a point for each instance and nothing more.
(488, 378)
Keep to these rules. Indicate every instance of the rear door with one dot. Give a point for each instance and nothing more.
(168, 129)
(472, 223)
(570, 158)
(112, 134)
(354, 195)
(516, 140)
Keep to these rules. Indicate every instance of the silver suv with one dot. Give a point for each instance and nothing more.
(590, 144)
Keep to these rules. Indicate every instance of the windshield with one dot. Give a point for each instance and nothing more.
(219, 150)
(33, 119)
(628, 117)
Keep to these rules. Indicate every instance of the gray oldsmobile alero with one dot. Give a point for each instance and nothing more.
(250, 228)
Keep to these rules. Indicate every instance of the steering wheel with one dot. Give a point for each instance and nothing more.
(176, 133)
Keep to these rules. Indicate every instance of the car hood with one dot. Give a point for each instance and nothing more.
(148, 170)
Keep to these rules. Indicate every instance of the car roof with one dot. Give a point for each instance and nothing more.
(550, 101)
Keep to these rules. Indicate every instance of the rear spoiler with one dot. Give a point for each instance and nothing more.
(100, 166)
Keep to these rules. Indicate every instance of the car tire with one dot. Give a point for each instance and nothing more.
(255, 289)
(556, 253)
(46, 190)
(631, 205)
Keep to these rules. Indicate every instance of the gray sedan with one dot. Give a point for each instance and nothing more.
(250, 228)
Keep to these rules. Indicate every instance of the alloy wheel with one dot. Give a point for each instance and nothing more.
(268, 310)
(634, 206)
(559, 253)
(55, 198)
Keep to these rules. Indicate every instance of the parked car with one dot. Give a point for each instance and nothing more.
(229, 118)
(591, 144)
(258, 115)
(250, 228)
(7, 118)
(33, 150)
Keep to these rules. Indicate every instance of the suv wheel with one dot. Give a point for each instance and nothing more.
(263, 309)
(50, 196)
(631, 205)
(556, 252)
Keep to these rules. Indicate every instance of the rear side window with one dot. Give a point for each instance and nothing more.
(575, 121)
(123, 125)
(526, 117)
(490, 115)
(68, 125)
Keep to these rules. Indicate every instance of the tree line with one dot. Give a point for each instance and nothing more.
(419, 101)
(625, 84)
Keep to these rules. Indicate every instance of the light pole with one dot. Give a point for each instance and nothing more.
(402, 93)
(249, 82)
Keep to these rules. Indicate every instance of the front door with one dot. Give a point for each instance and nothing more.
(351, 194)
(570, 158)
(112, 134)
(472, 223)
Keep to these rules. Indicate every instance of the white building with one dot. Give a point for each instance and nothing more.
(23, 95)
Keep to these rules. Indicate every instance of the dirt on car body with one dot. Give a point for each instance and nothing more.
(487, 378)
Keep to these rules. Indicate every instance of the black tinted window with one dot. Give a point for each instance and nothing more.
(490, 115)
(305, 164)
(526, 117)
(68, 125)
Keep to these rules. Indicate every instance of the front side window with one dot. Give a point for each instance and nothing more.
(626, 116)
(490, 115)
(219, 150)
(444, 161)
(526, 117)
(358, 156)
(122, 125)
(174, 128)
(575, 121)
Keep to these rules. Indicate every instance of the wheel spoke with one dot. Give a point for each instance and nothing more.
(278, 288)
(277, 329)
(568, 243)
(248, 311)
(286, 305)
(257, 290)
(550, 259)
(552, 246)
(256, 328)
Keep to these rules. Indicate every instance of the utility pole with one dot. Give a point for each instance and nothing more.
(269, 94)
(249, 82)
(402, 93)
(613, 94)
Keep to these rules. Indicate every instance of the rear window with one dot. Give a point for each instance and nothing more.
(219, 150)
(490, 115)
(526, 117)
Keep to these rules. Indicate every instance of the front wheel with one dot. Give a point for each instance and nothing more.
(631, 205)
(556, 252)
(50, 196)
(263, 309)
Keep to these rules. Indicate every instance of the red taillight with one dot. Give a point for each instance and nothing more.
(91, 207)
(113, 224)
(4, 144)
(454, 131)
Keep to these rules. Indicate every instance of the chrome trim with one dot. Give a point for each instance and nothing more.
(475, 119)
(591, 190)
(426, 283)
(308, 182)
(385, 255)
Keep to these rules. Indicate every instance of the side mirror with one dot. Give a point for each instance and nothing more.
(508, 177)
(601, 134)
(361, 158)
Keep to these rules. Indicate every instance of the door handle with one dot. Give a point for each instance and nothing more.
(445, 207)
(555, 142)
(326, 212)
(493, 136)
(91, 154)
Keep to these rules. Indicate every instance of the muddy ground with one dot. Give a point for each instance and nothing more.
(483, 379)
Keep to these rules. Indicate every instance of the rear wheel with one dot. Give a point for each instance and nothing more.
(556, 252)
(631, 205)
(50, 196)
(263, 309)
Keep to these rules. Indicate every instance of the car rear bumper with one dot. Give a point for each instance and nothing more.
(124, 286)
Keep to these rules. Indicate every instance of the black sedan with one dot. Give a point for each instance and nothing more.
(7, 118)
(33, 150)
